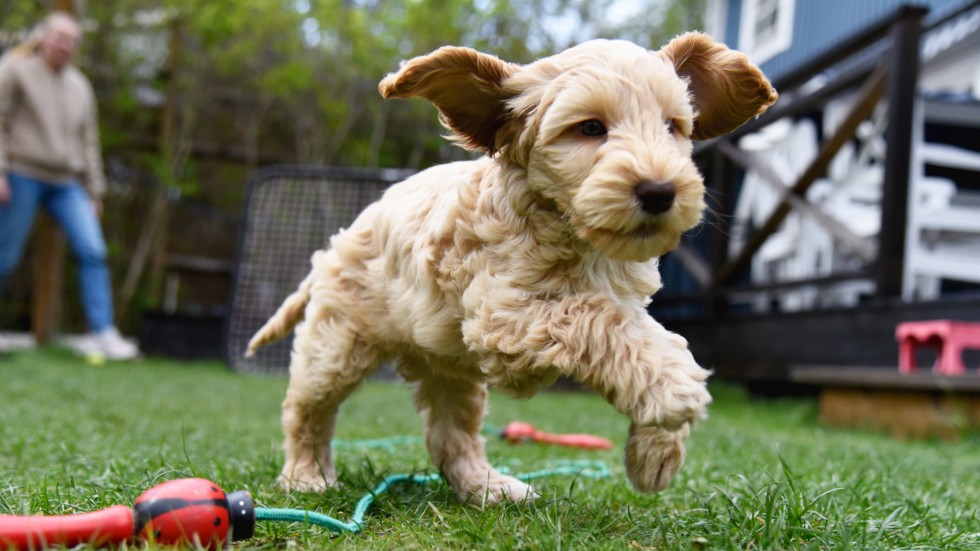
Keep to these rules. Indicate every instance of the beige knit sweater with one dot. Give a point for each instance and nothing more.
(48, 124)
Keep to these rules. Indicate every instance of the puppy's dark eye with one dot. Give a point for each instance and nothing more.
(592, 128)
(678, 128)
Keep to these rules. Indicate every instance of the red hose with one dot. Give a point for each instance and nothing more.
(108, 526)
(518, 431)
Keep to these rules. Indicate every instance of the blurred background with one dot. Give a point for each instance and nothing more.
(195, 95)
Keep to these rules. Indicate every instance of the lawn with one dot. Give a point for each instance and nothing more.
(759, 474)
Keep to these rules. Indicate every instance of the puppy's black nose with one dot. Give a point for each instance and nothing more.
(655, 197)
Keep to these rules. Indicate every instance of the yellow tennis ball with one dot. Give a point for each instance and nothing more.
(95, 359)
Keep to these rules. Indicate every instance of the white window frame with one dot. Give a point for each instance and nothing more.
(762, 51)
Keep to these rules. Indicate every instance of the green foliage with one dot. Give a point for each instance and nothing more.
(18, 17)
(759, 475)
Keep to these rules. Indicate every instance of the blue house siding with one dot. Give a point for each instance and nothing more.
(818, 24)
(733, 17)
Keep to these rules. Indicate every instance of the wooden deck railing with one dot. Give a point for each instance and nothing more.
(893, 77)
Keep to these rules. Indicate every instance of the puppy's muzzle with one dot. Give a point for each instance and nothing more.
(655, 197)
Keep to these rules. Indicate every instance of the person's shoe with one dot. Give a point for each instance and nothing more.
(112, 345)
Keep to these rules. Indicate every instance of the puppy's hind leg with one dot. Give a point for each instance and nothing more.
(329, 360)
(453, 411)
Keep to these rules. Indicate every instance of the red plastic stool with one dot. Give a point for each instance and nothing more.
(949, 337)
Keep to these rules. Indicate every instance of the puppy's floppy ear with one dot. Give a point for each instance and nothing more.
(726, 88)
(465, 85)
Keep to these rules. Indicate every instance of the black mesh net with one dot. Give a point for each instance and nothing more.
(290, 213)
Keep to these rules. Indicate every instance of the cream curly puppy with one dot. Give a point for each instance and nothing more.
(535, 261)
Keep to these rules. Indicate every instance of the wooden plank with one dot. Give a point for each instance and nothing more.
(48, 280)
(884, 378)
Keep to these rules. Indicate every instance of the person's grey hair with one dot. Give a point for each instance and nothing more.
(33, 41)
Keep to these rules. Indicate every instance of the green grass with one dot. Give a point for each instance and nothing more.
(759, 475)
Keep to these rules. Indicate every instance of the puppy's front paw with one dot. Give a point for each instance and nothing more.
(653, 456)
(306, 479)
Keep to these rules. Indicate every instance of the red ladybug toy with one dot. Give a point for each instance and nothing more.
(189, 511)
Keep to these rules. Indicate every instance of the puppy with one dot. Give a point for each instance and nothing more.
(536, 260)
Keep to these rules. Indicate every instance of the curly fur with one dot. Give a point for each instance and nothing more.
(532, 262)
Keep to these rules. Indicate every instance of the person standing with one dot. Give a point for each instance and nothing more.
(50, 158)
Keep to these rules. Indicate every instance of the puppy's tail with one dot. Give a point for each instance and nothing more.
(285, 318)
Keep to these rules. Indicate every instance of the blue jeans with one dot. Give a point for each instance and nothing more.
(71, 208)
